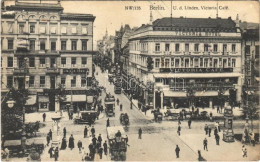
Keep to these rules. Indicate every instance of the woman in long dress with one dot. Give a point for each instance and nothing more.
(63, 144)
(71, 142)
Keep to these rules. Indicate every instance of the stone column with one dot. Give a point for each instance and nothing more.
(57, 104)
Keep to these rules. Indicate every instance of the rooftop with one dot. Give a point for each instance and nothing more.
(35, 7)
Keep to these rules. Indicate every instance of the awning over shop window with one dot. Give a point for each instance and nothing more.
(197, 94)
(257, 78)
(76, 98)
(174, 94)
(31, 100)
(43, 99)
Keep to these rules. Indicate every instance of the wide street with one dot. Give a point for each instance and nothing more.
(158, 140)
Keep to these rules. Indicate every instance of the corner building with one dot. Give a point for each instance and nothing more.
(43, 48)
(203, 52)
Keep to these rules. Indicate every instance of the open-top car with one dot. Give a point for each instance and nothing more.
(88, 117)
(124, 119)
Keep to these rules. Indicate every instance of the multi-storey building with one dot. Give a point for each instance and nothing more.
(43, 48)
(203, 53)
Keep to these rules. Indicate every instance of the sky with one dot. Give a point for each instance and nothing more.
(112, 14)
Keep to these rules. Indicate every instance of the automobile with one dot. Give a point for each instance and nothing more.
(124, 119)
(88, 117)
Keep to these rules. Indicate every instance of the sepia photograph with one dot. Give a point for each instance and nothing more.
(122, 80)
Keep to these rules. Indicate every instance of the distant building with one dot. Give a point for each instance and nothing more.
(201, 52)
(44, 48)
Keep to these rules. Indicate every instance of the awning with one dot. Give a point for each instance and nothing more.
(90, 99)
(257, 78)
(43, 99)
(197, 94)
(31, 100)
(76, 98)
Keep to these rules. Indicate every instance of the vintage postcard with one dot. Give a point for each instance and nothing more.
(142, 80)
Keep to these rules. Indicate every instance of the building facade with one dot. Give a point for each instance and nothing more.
(187, 53)
(44, 49)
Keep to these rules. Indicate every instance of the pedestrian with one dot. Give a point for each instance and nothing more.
(217, 139)
(206, 128)
(117, 101)
(63, 143)
(218, 127)
(179, 130)
(100, 139)
(121, 107)
(108, 122)
(79, 145)
(192, 108)
(93, 131)
(90, 147)
(94, 141)
(85, 132)
(71, 142)
(100, 152)
(140, 133)
(189, 123)
(126, 140)
(105, 147)
(48, 139)
(51, 151)
(221, 109)
(179, 120)
(205, 144)
(6, 152)
(50, 134)
(210, 116)
(56, 154)
(64, 132)
(209, 131)
(43, 117)
(177, 151)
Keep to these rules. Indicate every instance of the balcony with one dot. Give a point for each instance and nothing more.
(167, 52)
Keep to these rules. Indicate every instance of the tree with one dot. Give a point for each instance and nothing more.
(251, 111)
(149, 63)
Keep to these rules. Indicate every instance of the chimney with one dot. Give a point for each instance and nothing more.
(237, 21)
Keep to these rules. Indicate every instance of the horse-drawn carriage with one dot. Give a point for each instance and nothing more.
(86, 117)
(124, 119)
(157, 115)
(172, 114)
(32, 128)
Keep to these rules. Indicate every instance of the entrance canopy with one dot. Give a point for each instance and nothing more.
(76, 98)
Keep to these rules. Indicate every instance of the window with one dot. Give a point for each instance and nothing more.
(215, 63)
(42, 61)
(196, 62)
(162, 63)
(73, 61)
(256, 51)
(84, 30)
(9, 81)
(177, 47)
(233, 62)
(10, 43)
(63, 45)
(157, 62)
(10, 27)
(63, 80)
(42, 45)
(187, 63)
(196, 47)
(74, 30)
(32, 28)
(215, 48)
(63, 30)
(172, 62)
(83, 60)
(186, 47)
(167, 47)
(53, 63)
(83, 82)
(206, 47)
(224, 48)
(42, 29)
(74, 45)
(21, 28)
(233, 48)
(167, 63)
(73, 81)
(84, 45)
(31, 81)
(177, 63)
(63, 61)
(10, 62)
(32, 45)
(247, 49)
(157, 47)
(205, 63)
(42, 81)
(53, 46)
(31, 62)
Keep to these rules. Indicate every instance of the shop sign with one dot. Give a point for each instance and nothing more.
(196, 70)
(75, 71)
